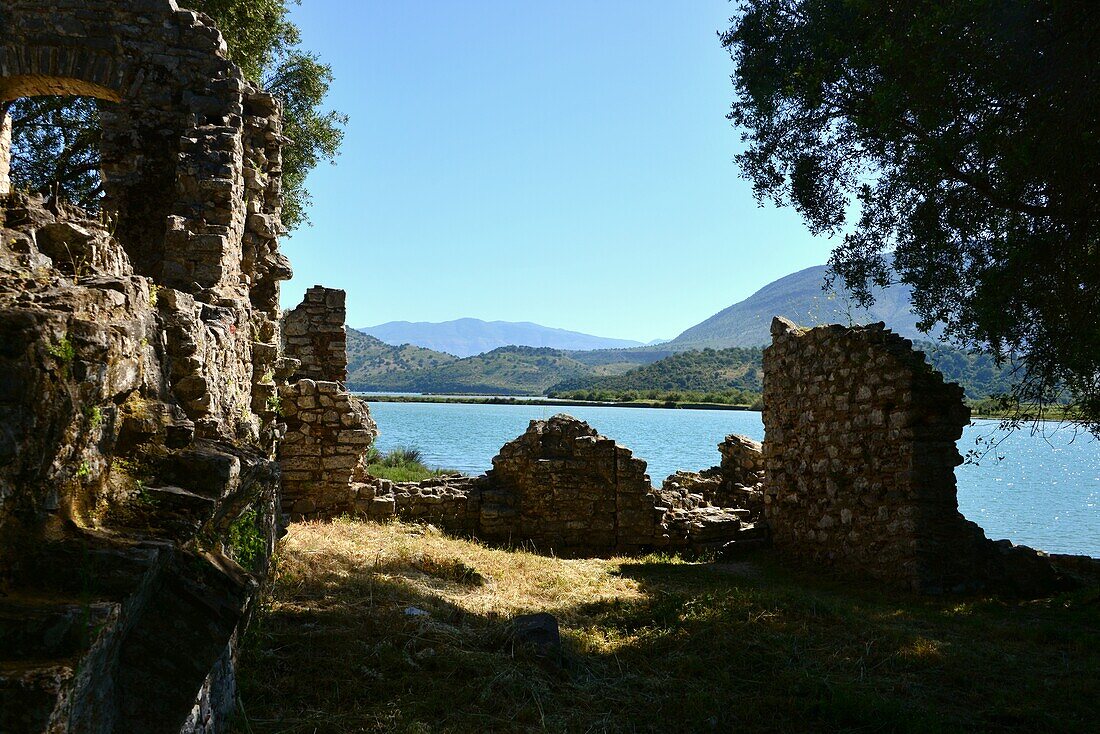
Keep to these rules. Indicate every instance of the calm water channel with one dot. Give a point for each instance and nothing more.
(1045, 492)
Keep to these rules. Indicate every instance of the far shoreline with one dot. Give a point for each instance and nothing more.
(544, 401)
(536, 400)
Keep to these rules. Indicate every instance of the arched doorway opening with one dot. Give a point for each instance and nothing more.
(55, 147)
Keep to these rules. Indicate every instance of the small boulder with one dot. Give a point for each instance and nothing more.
(539, 634)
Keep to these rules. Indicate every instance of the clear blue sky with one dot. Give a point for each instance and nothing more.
(567, 163)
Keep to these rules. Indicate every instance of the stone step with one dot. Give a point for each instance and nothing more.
(64, 659)
(166, 512)
(57, 653)
(94, 566)
(32, 695)
(33, 627)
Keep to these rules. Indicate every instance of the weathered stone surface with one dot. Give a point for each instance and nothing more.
(313, 333)
(5, 153)
(860, 457)
(137, 364)
(190, 148)
(537, 633)
(738, 482)
(328, 430)
(96, 451)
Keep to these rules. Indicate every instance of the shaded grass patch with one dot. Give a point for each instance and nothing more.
(651, 644)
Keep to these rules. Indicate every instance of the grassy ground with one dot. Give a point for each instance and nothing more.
(652, 644)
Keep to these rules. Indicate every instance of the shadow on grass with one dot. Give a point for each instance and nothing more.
(698, 650)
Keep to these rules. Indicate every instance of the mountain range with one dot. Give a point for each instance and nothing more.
(398, 357)
(467, 337)
(800, 298)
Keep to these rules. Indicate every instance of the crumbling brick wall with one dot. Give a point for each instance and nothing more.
(328, 430)
(313, 333)
(191, 150)
(565, 489)
(859, 460)
(563, 486)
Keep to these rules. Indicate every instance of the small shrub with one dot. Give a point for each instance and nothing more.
(94, 414)
(403, 456)
(246, 540)
(63, 350)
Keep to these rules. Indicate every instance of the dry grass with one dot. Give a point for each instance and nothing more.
(427, 562)
(652, 644)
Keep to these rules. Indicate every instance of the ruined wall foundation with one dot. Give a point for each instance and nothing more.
(860, 457)
(563, 488)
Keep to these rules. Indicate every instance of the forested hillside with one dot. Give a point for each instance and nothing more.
(504, 371)
(734, 375)
(709, 375)
(370, 359)
(708, 370)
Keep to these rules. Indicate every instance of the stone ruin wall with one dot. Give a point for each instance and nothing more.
(563, 488)
(191, 150)
(860, 457)
(736, 482)
(139, 363)
(313, 333)
(328, 430)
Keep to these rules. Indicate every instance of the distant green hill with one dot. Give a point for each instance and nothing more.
(503, 371)
(715, 371)
(708, 370)
(979, 376)
(371, 360)
(375, 366)
(468, 337)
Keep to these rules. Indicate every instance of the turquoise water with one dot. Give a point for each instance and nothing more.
(1045, 492)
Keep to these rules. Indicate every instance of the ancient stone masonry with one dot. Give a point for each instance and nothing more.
(328, 430)
(563, 488)
(737, 482)
(138, 366)
(449, 502)
(860, 456)
(313, 333)
(191, 151)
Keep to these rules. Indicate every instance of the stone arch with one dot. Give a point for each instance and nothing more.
(32, 85)
(191, 151)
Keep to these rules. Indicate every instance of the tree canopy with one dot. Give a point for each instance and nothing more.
(56, 139)
(955, 144)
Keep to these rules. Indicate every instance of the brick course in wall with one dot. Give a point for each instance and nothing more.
(313, 332)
